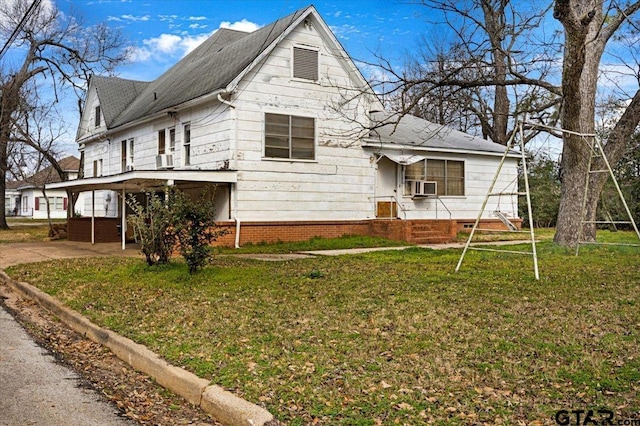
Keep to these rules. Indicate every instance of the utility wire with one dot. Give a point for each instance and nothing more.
(15, 32)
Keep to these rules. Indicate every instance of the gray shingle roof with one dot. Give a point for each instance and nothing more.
(412, 132)
(208, 68)
(115, 94)
(47, 175)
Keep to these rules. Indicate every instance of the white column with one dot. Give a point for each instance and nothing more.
(93, 217)
(123, 226)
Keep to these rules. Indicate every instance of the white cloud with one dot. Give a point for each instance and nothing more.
(197, 18)
(243, 25)
(345, 31)
(170, 47)
(165, 43)
(129, 18)
(197, 26)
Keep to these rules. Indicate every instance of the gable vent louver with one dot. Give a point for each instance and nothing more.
(305, 63)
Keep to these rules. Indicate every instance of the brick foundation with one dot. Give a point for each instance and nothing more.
(107, 229)
(271, 232)
(414, 231)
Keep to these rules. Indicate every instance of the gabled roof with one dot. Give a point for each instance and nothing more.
(408, 132)
(210, 67)
(46, 175)
(115, 94)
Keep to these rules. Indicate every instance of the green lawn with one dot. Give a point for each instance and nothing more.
(386, 337)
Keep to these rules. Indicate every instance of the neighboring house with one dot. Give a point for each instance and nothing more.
(11, 198)
(25, 198)
(283, 131)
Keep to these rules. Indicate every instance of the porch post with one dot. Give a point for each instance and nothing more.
(93, 217)
(123, 225)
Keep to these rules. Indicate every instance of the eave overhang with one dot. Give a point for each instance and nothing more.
(139, 180)
(394, 148)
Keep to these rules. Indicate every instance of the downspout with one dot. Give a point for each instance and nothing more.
(232, 195)
(237, 233)
(224, 101)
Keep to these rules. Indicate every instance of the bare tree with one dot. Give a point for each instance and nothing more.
(492, 67)
(48, 44)
(502, 62)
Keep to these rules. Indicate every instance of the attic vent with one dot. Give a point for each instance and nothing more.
(305, 63)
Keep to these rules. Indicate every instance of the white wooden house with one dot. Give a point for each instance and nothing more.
(25, 198)
(288, 136)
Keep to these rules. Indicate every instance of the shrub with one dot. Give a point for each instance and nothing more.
(173, 222)
(152, 228)
(195, 229)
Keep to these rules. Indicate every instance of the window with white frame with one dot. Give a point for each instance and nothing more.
(130, 153)
(172, 140)
(187, 143)
(55, 203)
(97, 116)
(161, 142)
(164, 136)
(97, 168)
(123, 155)
(289, 136)
(449, 175)
(305, 63)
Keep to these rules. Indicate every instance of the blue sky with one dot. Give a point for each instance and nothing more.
(162, 31)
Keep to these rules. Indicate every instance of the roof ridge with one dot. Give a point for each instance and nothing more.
(209, 67)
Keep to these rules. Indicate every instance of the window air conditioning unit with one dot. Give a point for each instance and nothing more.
(130, 168)
(423, 188)
(164, 161)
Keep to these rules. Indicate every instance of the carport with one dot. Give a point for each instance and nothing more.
(136, 181)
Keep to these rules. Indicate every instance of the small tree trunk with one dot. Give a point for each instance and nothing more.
(4, 137)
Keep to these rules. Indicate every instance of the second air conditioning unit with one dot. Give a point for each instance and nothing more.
(164, 161)
(423, 188)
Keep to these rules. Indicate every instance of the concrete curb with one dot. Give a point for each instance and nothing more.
(222, 405)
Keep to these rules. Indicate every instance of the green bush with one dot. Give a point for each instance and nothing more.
(171, 222)
(194, 228)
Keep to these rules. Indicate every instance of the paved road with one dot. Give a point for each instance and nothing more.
(35, 390)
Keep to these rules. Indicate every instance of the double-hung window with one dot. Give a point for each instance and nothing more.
(163, 135)
(187, 144)
(172, 140)
(131, 157)
(289, 136)
(449, 175)
(123, 154)
(161, 142)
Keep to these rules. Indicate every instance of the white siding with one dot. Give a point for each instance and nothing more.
(339, 183)
(212, 133)
(87, 125)
(479, 172)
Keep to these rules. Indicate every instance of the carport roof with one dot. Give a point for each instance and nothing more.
(139, 180)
